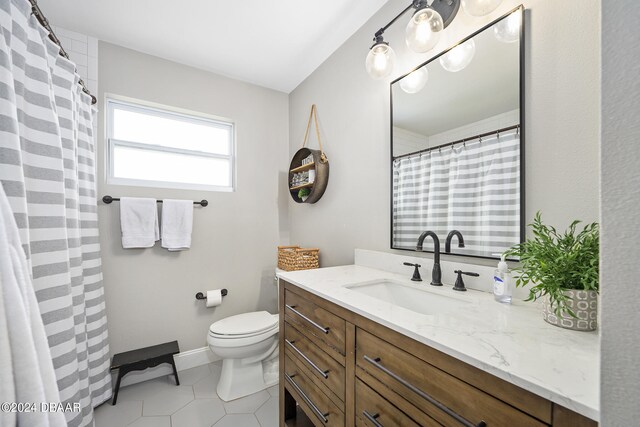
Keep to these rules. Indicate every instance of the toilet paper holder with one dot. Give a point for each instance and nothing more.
(200, 295)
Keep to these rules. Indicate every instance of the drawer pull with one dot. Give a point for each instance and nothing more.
(372, 418)
(376, 362)
(319, 413)
(293, 308)
(324, 374)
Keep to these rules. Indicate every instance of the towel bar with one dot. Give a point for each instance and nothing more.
(108, 199)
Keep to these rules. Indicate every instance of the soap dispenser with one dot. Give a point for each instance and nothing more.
(502, 282)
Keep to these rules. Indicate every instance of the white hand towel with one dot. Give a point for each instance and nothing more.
(177, 223)
(139, 222)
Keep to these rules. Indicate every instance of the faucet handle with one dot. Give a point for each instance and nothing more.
(416, 273)
(467, 273)
(459, 286)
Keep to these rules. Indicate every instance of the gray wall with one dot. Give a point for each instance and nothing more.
(150, 292)
(562, 116)
(620, 370)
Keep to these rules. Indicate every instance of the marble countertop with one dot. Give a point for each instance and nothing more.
(512, 342)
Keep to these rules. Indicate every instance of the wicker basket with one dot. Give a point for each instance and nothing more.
(291, 258)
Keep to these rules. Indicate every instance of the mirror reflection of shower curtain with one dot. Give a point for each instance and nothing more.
(472, 187)
(47, 170)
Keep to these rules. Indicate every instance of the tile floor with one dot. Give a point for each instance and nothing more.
(160, 403)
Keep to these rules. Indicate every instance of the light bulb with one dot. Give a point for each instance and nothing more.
(508, 29)
(424, 30)
(458, 57)
(480, 7)
(414, 82)
(380, 60)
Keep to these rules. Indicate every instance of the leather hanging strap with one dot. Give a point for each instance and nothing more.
(313, 114)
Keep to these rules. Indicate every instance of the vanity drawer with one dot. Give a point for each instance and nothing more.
(317, 405)
(322, 366)
(370, 404)
(316, 322)
(447, 399)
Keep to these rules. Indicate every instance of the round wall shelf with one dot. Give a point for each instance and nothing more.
(319, 184)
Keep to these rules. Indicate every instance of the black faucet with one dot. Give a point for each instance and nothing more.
(436, 273)
(447, 243)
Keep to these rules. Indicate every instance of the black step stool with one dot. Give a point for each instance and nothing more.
(143, 358)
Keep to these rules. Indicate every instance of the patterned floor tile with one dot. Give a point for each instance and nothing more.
(160, 403)
(167, 400)
(237, 420)
(248, 404)
(206, 387)
(199, 413)
(151, 422)
(120, 415)
(267, 414)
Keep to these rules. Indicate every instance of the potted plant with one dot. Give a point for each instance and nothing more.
(564, 271)
(303, 193)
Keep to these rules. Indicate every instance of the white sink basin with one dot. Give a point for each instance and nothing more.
(410, 297)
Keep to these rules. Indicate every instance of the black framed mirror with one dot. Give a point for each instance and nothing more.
(457, 144)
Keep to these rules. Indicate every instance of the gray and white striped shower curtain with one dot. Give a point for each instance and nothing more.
(47, 170)
(473, 188)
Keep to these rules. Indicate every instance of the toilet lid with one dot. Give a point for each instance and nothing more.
(245, 324)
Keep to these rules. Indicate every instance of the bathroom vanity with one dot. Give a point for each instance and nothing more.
(351, 353)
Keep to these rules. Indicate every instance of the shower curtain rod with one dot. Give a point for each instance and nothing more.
(463, 140)
(35, 9)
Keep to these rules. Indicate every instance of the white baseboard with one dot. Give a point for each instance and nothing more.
(184, 360)
(192, 358)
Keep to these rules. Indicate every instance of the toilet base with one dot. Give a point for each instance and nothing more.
(239, 378)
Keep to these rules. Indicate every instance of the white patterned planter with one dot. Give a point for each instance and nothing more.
(583, 303)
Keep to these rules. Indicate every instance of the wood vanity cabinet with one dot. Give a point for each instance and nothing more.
(338, 368)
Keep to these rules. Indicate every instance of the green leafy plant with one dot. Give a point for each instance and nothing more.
(554, 262)
(303, 192)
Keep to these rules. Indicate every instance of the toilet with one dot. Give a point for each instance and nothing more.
(248, 346)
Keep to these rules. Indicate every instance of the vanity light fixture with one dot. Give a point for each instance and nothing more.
(424, 28)
(428, 20)
(422, 33)
(459, 57)
(380, 59)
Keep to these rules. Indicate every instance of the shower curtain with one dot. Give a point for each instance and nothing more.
(472, 187)
(47, 170)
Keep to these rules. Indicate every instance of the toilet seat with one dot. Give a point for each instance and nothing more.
(243, 329)
(245, 324)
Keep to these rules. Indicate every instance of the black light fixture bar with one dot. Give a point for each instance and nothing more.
(383, 29)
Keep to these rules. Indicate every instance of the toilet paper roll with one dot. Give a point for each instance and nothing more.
(214, 298)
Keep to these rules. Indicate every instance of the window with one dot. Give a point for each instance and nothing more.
(156, 147)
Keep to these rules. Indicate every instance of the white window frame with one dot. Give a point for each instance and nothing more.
(172, 113)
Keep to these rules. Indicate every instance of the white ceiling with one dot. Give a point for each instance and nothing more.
(272, 43)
